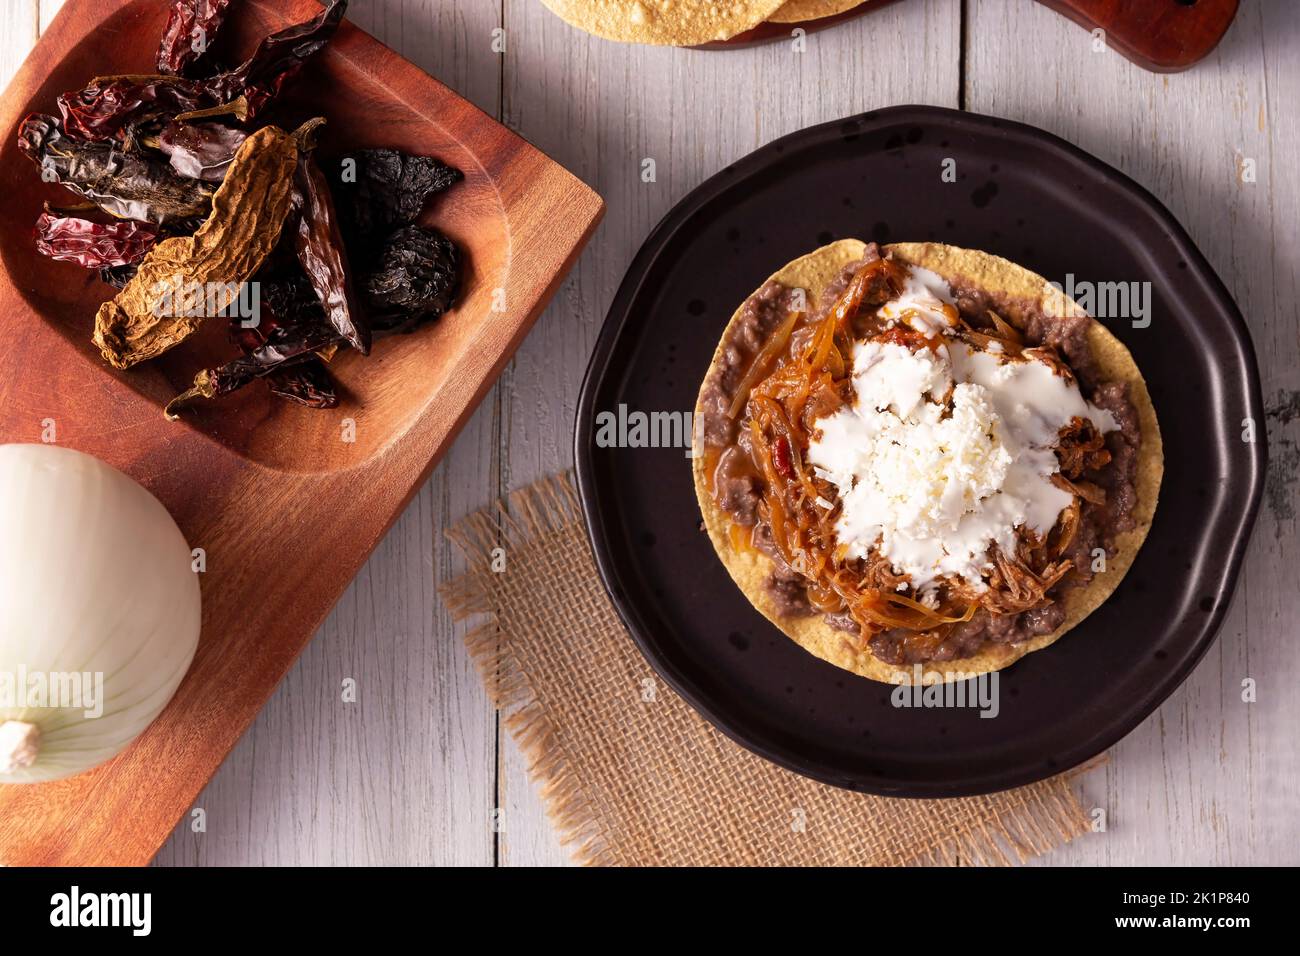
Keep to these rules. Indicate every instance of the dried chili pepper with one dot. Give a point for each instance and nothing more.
(292, 301)
(318, 242)
(191, 27)
(305, 381)
(93, 245)
(278, 57)
(381, 189)
(407, 274)
(155, 312)
(117, 106)
(281, 349)
(117, 276)
(201, 150)
(185, 232)
(308, 383)
(70, 208)
(108, 106)
(129, 185)
(415, 279)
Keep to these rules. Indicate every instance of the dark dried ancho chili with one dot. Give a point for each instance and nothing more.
(292, 301)
(380, 189)
(407, 274)
(119, 106)
(129, 185)
(93, 245)
(191, 27)
(200, 150)
(415, 279)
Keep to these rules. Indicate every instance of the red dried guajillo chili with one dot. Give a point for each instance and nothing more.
(114, 107)
(93, 245)
(191, 27)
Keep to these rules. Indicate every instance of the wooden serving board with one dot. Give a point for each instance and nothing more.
(287, 502)
(1164, 36)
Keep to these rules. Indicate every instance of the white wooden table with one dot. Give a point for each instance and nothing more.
(420, 771)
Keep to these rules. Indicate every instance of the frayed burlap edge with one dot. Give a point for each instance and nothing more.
(546, 506)
(1036, 820)
(1014, 826)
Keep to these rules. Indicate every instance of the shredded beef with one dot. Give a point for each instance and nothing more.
(1081, 448)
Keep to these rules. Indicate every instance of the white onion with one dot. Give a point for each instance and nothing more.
(95, 579)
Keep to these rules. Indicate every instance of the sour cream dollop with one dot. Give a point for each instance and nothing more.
(945, 451)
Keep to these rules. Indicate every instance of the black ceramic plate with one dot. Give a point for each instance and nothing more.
(1022, 194)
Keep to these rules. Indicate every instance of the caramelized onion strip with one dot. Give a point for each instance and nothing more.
(1006, 330)
(762, 363)
(1093, 494)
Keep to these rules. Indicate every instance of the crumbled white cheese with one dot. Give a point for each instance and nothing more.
(945, 452)
(889, 376)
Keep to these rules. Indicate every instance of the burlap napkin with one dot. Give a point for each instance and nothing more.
(643, 782)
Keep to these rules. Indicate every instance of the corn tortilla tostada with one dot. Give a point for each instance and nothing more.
(922, 462)
(664, 22)
(801, 11)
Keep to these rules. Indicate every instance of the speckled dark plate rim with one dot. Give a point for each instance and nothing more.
(598, 508)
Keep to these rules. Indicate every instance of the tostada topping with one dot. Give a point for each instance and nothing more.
(920, 472)
(945, 452)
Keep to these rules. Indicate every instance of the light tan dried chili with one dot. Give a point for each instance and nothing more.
(156, 310)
